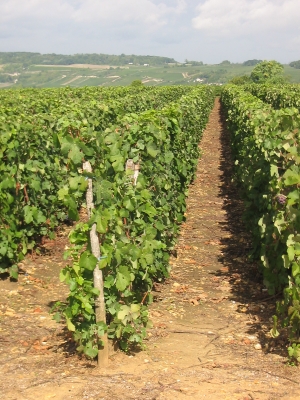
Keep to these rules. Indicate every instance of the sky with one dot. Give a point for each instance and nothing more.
(202, 30)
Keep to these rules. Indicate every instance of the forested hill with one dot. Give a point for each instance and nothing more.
(99, 59)
(295, 64)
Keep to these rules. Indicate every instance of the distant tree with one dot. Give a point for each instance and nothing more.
(240, 80)
(268, 72)
(225, 62)
(194, 63)
(11, 68)
(5, 78)
(295, 64)
(136, 83)
(99, 59)
(251, 63)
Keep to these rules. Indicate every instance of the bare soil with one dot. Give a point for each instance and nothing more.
(210, 319)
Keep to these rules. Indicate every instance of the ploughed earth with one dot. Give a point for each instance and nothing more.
(211, 319)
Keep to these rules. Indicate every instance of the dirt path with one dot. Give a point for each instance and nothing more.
(210, 319)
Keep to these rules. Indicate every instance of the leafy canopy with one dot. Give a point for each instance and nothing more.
(136, 82)
(268, 72)
(240, 80)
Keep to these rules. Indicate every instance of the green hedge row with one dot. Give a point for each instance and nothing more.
(266, 151)
(137, 225)
(278, 96)
(33, 169)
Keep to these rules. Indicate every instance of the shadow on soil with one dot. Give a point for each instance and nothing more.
(244, 276)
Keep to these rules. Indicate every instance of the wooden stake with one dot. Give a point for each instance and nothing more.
(98, 276)
(135, 168)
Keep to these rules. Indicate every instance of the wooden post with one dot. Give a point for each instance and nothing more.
(98, 275)
(135, 168)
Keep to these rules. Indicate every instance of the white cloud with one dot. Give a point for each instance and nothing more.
(135, 11)
(107, 12)
(244, 17)
(13, 10)
(208, 30)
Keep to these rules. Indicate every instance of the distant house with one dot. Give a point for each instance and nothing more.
(146, 65)
(130, 63)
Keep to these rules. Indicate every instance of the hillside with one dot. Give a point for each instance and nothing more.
(54, 70)
(27, 59)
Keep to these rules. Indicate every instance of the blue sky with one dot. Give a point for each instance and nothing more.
(204, 30)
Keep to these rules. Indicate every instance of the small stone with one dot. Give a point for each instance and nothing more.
(9, 313)
(184, 389)
(156, 314)
(257, 346)
(146, 361)
(12, 292)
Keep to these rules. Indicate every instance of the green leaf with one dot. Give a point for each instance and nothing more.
(75, 181)
(72, 209)
(134, 308)
(123, 313)
(62, 193)
(14, 271)
(291, 178)
(75, 155)
(123, 278)
(88, 261)
(109, 281)
(118, 331)
(76, 269)
(118, 164)
(295, 269)
(72, 285)
(150, 210)
(293, 197)
(274, 170)
(129, 204)
(57, 317)
(90, 351)
(3, 248)
(28, 214)
(152, 149)
(291, 253)
(88, 151)
(149, 258)
(64, 275)
(95, 291)
(102, 224)
(70, 325)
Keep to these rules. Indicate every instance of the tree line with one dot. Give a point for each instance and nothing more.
(26, 59)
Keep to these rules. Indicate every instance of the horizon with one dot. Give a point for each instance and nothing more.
(139, 55)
